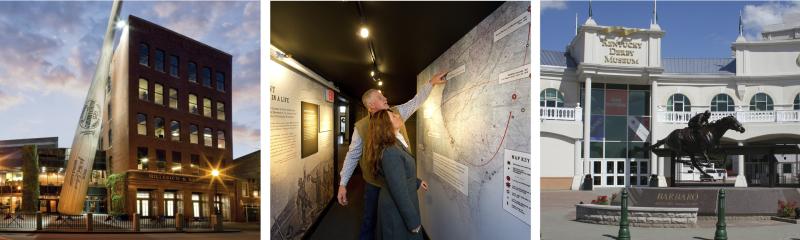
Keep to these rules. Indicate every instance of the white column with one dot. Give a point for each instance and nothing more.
(578, 166)
(656, 163)
(741, 180)
(587, 123)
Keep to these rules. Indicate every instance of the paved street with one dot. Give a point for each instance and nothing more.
(249, 231)
(558, 222)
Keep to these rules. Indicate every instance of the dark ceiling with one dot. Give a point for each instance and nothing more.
(407, 37)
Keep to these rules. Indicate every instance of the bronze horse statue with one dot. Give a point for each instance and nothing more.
(683, 142)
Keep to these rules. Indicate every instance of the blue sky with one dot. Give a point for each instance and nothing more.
(693, 29)
(49, 50)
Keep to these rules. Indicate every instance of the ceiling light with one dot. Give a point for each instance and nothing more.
(364, 32)
(380, 83)
(371, 73)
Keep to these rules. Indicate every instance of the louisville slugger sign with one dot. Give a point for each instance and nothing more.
(84, 145)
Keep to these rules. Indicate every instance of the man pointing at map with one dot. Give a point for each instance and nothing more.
(374, 101)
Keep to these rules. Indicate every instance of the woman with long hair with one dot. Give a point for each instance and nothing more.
(387, 154)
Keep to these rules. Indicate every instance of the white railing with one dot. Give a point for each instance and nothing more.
(561, 113)
(742, 116)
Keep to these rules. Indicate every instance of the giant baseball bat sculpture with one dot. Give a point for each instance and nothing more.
(84, 145)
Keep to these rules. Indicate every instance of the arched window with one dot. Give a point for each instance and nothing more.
(551, 97)
(761, 102)
(141, 124)
(678, 103)
(797, 102)
(175, 129)
(159, 123)
(722, 103)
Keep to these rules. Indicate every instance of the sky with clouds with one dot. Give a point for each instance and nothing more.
(49, 50)
(693, 29)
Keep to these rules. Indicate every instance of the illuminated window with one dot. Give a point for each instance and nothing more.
(161, 160)
(206, 107)
(159, 94)
(220, 81)
(193, 134)
(159, 60)
(173, 65)
(175, 131)
(159, 127)
(197, 205)
(221, 111)
(141, 158)
(221, 139)
(176, 162)
(206, 76)
(207, 137)
(141, 124)
(173, 98)
(143, 90)
(193, 104)
(192, 72)
(170, 203)
(143, 203)
(144, 54)
(195, 164)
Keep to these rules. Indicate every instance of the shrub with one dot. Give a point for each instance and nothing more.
(786, 209)
(601, 200)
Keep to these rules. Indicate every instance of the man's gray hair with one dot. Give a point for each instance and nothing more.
(367, 96)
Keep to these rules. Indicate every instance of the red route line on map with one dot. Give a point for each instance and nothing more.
(499, 145)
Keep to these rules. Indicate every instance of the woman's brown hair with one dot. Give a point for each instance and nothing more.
(380, 135)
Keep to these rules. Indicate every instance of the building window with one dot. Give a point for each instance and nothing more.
(159, 60)
(159, 127)
(144, 94)
(761, 102)
(173, 98)
(551, 97)
(144, 54)
(192, 72)
(787, 168)
(161, 160)
(141, 124)
(197, 205)
(173, 65)
(678, 103)
(141, 158)
(220, 139)
(722, 103)
(109, 137)
(193, 104)
(159, 94)
(193, 134)
(195, 164)
(170, 203)
(207, 137)
(206, 76)
(217, 203)
(796, 105)
(206, 107)
(143, 203)
(176, 162)
(175, 131)
(221, 111)
(220, 81)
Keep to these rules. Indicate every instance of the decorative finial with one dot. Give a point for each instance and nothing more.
(590, 8)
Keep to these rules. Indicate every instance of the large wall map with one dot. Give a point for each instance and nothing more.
(474, 133)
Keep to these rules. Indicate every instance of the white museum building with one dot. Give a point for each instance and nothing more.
(639, 97)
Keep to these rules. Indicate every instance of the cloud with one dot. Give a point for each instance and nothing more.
(249, 136)
(756, 18)
(8, 101)
(554, 4)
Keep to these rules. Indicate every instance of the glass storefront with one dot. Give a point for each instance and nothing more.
(619, 132)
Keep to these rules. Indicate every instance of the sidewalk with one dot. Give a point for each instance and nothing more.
(558, 222)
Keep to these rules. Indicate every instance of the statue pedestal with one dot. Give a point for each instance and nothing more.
(741, 181)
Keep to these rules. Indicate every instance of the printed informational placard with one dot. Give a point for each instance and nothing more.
(516, 74)
(510, 27)
(434, 134)
(517, 184)
(309, 125)
(456, 72)
(451, 172)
